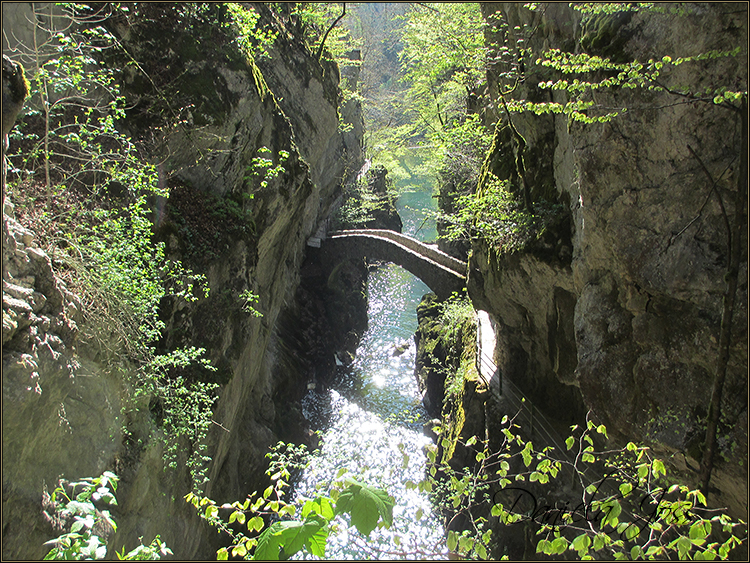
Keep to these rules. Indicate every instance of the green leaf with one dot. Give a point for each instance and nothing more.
(569, 442)
(452, 540)
(581, 544)
(658, 467)
(316, 544)
(700, 530)
(321, 505)
(642, 471)
(291, 536)
(543, 546)
(481, 551)
(632, 531)
(614, 511)
(559, 545)
(255, 523)
(526, 453)
(684, 545)
(599, 541)
(625, 489)
(239, 550)
(366, 505)
(465, 544)
(299, 536)
(269, 545)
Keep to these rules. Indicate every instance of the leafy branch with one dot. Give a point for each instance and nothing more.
(73, 505)
(276, 532)
(627, 507)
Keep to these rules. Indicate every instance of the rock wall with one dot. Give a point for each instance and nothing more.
(229, 116)
(617, 308)
(385, 215)
(51, 410)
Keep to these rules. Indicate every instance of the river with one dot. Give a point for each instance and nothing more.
(371, 422)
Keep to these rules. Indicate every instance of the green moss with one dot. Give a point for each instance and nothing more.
(204, 225)
(604, 35)
(461, 339)
(180, 70)
(500, 163)
(454, 418)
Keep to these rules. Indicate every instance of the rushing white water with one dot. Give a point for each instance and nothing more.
(376, 417)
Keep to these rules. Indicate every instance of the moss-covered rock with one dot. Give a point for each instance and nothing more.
(605, 35)
(431, 358)
(447, 375)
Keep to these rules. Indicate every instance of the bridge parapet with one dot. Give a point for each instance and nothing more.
(413, 244)
(442, 273)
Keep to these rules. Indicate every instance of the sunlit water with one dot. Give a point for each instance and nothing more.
(371, 422)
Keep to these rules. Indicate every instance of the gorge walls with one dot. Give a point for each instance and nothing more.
(245, 231)
(617, 306)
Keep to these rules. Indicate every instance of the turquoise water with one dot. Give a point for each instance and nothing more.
(415, 206)
(376, 416)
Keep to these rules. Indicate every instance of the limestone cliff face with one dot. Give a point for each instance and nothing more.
(299, 115)
(222, 221)
(51, 410)
(617, 308)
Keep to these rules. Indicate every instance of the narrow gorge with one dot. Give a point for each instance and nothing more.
(415, 280)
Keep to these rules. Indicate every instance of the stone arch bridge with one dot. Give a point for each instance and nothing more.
(442, 273)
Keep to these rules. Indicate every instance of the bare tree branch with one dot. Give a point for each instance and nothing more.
(336, 21)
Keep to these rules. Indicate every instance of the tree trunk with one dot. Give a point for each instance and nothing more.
(725, 336)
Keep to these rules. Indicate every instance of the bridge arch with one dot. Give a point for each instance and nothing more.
(442, 273)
